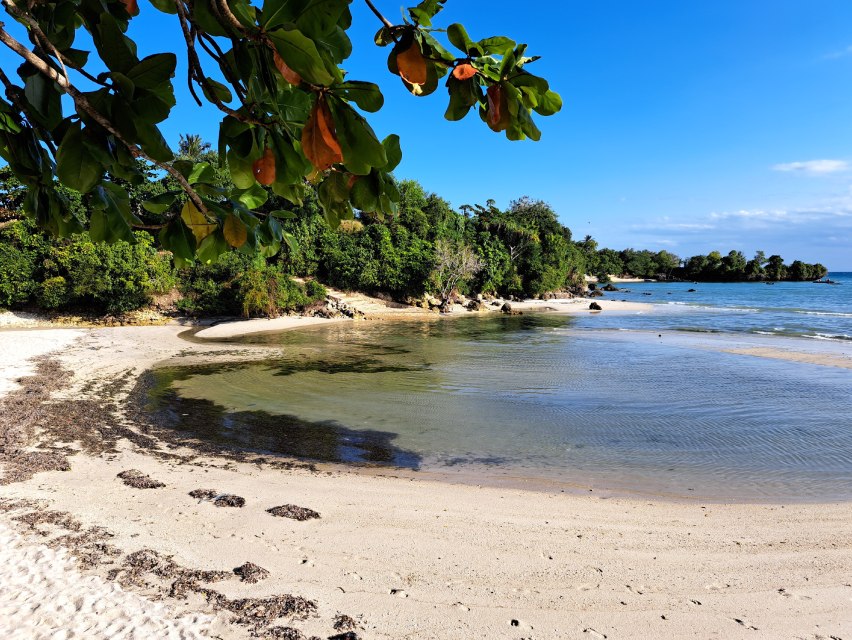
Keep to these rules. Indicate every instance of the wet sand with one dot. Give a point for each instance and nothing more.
(386, 557)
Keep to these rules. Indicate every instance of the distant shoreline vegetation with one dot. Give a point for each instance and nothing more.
(713, 267)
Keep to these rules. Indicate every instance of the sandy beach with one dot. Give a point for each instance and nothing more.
(354, 555)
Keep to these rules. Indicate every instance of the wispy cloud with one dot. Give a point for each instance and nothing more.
(834, 55)
(814, 167)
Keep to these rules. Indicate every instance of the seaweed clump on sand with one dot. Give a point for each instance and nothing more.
(218, 499)
(293, 512)
(251, 573)
(138, 480)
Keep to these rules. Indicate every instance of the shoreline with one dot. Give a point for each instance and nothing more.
(405, 556)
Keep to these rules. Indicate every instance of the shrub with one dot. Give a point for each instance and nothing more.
(53, 293)
(17, 274)
(315, 291)
(112, 278)
(238, 285)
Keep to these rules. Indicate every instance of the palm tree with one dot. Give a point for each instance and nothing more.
(192, 147)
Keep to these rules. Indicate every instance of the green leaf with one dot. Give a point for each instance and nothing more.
(212, 247)
(361, 148)
(45, 98)
(457, 35)
(216, 89)
(253, 197)
(152, 141)
(166, 6)
(154, 71)
(177, 238)
(162, 202)
(319, 17)
(333, 194)
(203, 16)
(116, 50)
(423, 13)
(393, 152)
(75, 166)
(366, 95)
(496, 45)
(241, 170)
(283, 215)
(300, 53)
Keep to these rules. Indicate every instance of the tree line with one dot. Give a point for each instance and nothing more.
(713, 267)
(426, 249)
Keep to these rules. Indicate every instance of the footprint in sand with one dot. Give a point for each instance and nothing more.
(399, 593)
(716, 586)
(594, 634)
(745, 624)
(783, 592)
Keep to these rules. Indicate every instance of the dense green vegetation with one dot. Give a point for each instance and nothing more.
(427, 248)
(714, 267)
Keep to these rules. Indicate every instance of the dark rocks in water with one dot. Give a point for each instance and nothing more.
(228, 500)
(646, 293)
(204, 494)
(293, 512)
(251, 573)
(595, 307)
(506, 308)
(691, 290)
(592, 286)
(597, 293)
(610, 287)
(138, 480)
(475, 305)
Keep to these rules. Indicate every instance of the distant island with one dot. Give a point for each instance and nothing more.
(713, 267)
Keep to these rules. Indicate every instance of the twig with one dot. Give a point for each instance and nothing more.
(379, 15)
(83, 105)
(196, 71)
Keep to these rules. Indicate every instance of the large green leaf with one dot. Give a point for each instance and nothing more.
(116, 50)
(75, 166)
(319, 17)
(366, 95)
(152, 141)
(300, 53)
(44, 96)
(361, 148)
(177, 238)
(253, 197)
(154, 72)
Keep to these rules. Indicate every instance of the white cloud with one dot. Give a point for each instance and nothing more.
(834, 55)
(814, 167)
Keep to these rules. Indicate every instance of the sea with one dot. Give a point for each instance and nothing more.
(677, 401)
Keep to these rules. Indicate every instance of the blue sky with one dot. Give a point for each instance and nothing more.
(687, 126)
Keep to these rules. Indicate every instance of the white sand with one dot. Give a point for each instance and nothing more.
(234, 328)
(425, 560)
(44, 596)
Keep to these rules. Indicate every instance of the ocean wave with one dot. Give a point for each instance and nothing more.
(834, 314)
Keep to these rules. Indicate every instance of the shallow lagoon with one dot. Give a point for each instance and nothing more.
(533, 397)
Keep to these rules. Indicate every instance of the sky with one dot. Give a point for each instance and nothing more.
(687, 126)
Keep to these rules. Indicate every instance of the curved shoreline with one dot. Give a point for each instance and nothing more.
(442, 560)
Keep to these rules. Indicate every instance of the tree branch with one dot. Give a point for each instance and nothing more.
(83, 105)
(196, 71)
(379, 15)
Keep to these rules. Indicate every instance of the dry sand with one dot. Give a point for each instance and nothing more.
(404, 558)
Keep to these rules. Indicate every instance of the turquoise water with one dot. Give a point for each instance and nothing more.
(554, 399)
(799, 309)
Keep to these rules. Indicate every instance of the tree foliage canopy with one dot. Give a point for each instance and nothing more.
(292, 116)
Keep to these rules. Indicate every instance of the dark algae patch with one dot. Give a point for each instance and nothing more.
(251, 573)
(138, 480)
(293, 512)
